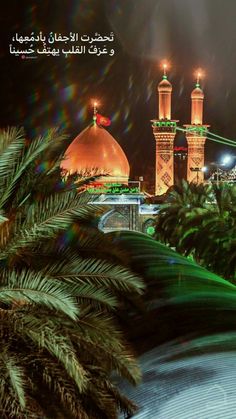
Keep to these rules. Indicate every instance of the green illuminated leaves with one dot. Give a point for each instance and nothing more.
(201, 220)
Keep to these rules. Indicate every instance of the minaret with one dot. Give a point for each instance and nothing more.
(164, 130)
(196, 136)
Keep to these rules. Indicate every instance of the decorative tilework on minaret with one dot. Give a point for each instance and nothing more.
(164, 130)
(196, 136)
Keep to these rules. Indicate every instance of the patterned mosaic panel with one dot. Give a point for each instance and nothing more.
(166, 178)
(164, 161)
(197, 161)
(165, 157)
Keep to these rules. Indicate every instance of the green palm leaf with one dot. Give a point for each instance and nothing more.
(16, 376)
(12, 143)
(58, 305)
(99, 273)
(34, 288)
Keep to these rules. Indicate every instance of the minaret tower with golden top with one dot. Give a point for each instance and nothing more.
(164, 130)
(196, 136)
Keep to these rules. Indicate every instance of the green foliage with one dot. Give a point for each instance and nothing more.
(185, 302)
(60, 342)
(201, 221)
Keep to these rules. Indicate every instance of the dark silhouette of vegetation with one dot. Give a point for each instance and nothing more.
(200, 220)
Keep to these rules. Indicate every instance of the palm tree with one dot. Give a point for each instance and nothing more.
(60, 341)
(181, 200)
(201, 221)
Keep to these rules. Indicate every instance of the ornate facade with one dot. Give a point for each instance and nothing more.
(164, 130)
(164, 136)
(196, 137)
(95, 151)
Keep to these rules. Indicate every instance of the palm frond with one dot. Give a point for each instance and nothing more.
(46, 219)
(12, 143)
(21, 163)
(99, 273)
(34, 288)
(61, 348)
(17, 378)
(97, 297)
(58, 305)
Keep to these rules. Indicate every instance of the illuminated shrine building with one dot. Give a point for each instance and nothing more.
(95, 151)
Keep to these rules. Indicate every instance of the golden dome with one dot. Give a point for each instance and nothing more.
(95, 151)
(197, 93)
(164, 85)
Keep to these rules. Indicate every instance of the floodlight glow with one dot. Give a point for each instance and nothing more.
(165, 65)
(227, 159)
(199, 75)
(95, 103)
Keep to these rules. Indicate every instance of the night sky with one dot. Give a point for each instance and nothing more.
(57, 91)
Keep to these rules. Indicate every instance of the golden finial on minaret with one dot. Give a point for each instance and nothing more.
(95, 111)
(164, 71)
(199, 75)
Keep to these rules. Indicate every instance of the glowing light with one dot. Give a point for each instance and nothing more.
(95, 103)
(95, 110)
(112, 188)
(204, 169)
(165, 66)
(227, 159)
(199, 75)
(150, 230)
